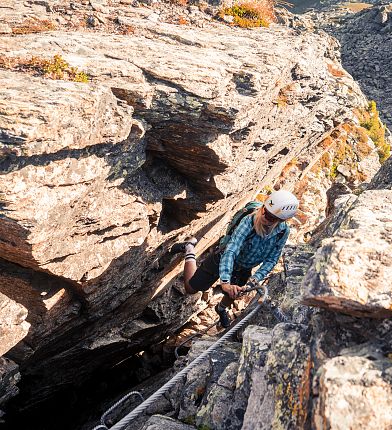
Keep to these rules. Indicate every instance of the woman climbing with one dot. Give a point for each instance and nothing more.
(257, 240)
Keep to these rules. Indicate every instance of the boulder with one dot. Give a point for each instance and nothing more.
(281, 388)
(351, 270)
(353, 392)
(256, 342)
(204, 379)
(158, 422)
(214, 412)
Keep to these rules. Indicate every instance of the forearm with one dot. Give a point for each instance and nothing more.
(263, 271)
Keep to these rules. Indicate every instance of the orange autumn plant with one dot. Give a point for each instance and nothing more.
(33, 25)
(54, 68)
(251, 13)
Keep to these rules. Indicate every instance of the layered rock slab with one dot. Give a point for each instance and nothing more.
(351, 270)
(200, 96)
(9, 377)
(13, 324)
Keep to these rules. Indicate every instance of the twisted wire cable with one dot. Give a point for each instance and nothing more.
(170, 384)
(131, 393)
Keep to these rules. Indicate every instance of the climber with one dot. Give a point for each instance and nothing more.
(257, 240)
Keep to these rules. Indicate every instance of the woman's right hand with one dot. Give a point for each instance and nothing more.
(232, 290)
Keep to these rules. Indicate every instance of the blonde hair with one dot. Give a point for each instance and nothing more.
(261, 229)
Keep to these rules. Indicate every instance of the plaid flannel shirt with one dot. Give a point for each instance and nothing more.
(254, 251)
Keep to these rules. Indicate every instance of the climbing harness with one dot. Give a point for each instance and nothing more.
(261, 290)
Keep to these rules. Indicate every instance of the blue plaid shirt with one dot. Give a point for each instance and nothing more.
(254, 251)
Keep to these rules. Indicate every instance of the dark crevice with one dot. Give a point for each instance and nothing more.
(284, 151)
(106, 239)
(57, 259)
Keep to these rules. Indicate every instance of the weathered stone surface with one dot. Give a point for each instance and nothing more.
(56, 115)
(214, 412)
(9, 377)
(353, 392)
(159, 422)
(366, 53)
(296, 264)
(47, 305)
(65, 204)
(206, 376)
(13, 326)
(383, 178)
(281, 389)
(334, 332)
(255, 345)
(336, 214)
(351, 271)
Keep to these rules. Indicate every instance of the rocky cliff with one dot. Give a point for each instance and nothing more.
(124, 128)
(364, 32)
(322, 369)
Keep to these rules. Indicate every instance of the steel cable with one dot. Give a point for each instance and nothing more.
(170, 384)
(131, 393)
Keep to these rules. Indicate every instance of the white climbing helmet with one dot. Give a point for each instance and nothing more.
(282, 204)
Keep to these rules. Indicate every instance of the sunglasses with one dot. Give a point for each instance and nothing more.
(269, 217)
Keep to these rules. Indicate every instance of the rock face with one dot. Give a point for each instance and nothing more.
(13, 327)
(366, 48)
(351, 270)
(158, 422)
(322, 370)
(344, 383)
(9, 377)
(98, 179)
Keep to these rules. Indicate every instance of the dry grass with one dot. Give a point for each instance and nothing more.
(347, 145)
(125, 29)
(180, 2)
(55, 68)
(251, 13)
(33, 25)
(182, 20)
